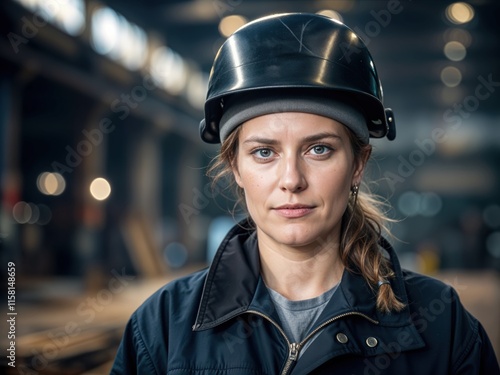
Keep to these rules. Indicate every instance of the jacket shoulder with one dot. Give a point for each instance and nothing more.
(179, 294)
(423, 289)
(165, 315)
(435, 300)
(415, 279)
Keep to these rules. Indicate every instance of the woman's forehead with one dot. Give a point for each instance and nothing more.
(291, 125)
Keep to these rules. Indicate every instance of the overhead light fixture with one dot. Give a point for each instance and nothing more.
(169, 70)
(68, 15)
(112, 35)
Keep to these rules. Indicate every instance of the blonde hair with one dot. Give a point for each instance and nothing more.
(363, 223)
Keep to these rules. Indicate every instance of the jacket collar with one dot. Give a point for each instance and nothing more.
(231, 280)
(233, 285)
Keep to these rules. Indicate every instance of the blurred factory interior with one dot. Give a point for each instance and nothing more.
(104, 196)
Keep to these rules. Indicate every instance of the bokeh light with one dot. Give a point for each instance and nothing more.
(230, 24)
(331, 14)
(22, 212)
(100, 189)
(426, 204)
(430, 204)
(176, 254)
(455, 34)
(68, 15)
(31, 213)
(451, 76)
(455, 51)
(493, 244)
(112, 35)
(409, 203)
(169, 70)
(459, 13)
(491, 216)
(51, 183)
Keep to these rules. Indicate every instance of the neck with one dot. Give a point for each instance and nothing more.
(300, 273)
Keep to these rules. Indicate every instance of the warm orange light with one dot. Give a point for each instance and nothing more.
(460, 13)
(51, 183)
(230, 24)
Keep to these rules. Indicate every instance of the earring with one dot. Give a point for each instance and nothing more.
(354, 191)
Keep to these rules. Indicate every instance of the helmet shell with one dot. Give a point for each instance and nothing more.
(295, 51)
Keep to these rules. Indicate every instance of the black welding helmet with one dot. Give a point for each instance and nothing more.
(295, 62)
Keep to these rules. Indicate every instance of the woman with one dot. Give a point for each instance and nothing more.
(307, 284)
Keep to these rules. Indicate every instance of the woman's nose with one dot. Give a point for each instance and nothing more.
(292, 176)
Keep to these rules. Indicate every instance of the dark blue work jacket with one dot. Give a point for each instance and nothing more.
(221, 321)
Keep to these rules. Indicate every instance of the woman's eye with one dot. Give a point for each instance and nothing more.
(263, 153)
(320, 150)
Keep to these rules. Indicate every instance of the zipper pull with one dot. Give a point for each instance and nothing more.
(294, 351)
(292, 357)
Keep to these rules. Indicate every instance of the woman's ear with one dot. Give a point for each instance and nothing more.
(361, 164)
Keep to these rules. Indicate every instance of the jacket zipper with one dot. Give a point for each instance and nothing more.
(294, 348)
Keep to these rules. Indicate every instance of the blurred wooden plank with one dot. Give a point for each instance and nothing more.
(141, 246)
(64, 346)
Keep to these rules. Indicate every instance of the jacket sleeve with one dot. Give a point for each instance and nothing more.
(473, 353)
(132, 357)
(480, 357)
(488, 360)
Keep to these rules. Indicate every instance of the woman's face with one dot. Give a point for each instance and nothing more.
(296, 170)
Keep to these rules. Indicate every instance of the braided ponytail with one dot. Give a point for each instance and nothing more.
(363, 223)
(362, 226)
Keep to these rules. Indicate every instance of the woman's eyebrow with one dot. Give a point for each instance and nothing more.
(310, 138)
(320, 136)
(257, 139)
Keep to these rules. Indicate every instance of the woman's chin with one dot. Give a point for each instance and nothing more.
(293, 236)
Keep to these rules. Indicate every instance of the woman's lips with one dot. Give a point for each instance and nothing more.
(293, 211)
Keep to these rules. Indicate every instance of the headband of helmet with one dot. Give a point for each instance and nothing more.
(243, 107)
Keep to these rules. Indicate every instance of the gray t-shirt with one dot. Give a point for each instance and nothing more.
(298, 317)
